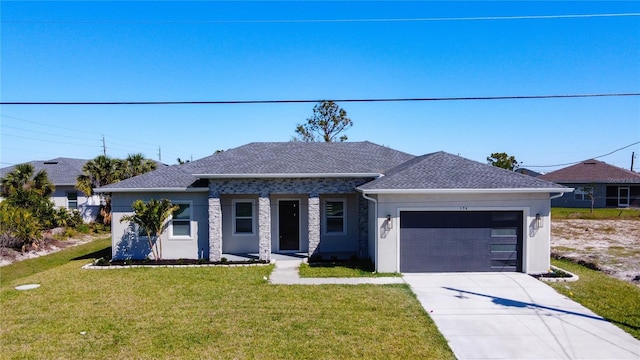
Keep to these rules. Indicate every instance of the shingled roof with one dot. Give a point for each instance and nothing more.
(268, 158)
(440, 171)
(592, 171)
(60, 171)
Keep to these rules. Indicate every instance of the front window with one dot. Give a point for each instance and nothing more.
(72, 200)
(581, 193)
(243, 217)
(181, 221)
(334, 216)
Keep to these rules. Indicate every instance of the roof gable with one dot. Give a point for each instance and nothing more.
(440, 170)
(592, 171)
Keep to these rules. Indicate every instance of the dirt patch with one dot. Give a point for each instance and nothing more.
(613, 246)
(47, 246)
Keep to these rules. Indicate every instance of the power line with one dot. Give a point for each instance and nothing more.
(235, 102)
(576, 162)
(296, 21)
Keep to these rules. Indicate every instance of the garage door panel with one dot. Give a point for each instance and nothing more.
(460, 241)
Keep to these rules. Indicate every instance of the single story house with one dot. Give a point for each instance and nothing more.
(432, 213)
(609, 185)
(63, 172)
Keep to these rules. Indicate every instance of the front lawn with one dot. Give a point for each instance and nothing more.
(616, 300)
(210, 312)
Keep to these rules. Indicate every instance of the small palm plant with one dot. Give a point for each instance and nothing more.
(152, 217)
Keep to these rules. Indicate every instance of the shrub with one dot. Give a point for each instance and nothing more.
(18, 226)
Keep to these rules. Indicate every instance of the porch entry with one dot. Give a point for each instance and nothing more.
(289, 225)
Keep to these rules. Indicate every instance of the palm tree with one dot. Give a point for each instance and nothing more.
(22, 179)
(136, 164)
(152, 217)
(100, 171)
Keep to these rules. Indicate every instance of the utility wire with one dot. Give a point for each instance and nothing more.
(576, 162)
(232, 102)
(285, 21)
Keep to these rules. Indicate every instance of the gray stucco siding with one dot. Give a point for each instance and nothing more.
(347, 242)
(126, 243)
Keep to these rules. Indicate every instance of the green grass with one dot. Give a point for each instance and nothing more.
(616, 300)
(20, 269)
(209, 312)
(342, 269)
(598, 214)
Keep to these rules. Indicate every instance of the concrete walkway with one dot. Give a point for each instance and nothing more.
(514, 316)
(286, 273)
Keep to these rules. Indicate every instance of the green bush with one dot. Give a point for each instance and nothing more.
(83, 228)
(18, 225)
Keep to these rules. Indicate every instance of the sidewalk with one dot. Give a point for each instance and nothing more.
(286, 273)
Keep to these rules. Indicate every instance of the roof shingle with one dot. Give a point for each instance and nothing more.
(592, 171)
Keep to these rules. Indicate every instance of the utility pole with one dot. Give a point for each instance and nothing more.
(104, 147)
(633, 156)
(159, 154)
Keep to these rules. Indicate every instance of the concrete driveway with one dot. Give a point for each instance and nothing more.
(514, 316)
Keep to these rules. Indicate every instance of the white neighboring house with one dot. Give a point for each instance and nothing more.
(62, 172)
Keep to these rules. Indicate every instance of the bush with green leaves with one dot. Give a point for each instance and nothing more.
(18, 227)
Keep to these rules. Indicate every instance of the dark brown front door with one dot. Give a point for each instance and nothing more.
(289, 224)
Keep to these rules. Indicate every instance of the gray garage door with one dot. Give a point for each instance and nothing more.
(443, 241)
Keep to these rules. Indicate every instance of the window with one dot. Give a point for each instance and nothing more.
(579, 194)
(504, 232)
(72, 200)
(334, 216)
(181, 221)
(243, 217)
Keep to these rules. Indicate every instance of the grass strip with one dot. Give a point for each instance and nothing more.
(21, 269)
(339, 270)
(598, 214)
(615, 300)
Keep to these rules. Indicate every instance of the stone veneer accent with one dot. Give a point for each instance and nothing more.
(264, 227)
(297, 186)
(215, 228)
(314, 224)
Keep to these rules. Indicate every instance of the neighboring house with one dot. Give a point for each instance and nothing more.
(527, 172)
(610, 185)
(62, 172)
(432, 213)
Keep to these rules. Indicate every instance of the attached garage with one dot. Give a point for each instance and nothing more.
(469, 241)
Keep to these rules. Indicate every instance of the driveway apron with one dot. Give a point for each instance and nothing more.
(515, 316)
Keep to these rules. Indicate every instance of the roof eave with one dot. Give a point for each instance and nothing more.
(287, 175)
(467, 191)
(146, 190)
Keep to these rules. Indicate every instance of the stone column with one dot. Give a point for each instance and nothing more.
(314, 224)
(363, 227)
(215, 228)
(264, 227)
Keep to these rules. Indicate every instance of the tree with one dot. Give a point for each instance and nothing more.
(22, 179)
(104, 170)
(326, 123)
(136, 164)
(152, 217)
(503, 160)
(26, 208)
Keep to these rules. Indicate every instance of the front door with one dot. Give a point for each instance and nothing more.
(623, 196)
(289, 225)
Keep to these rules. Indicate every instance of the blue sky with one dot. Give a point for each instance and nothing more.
(208, 51)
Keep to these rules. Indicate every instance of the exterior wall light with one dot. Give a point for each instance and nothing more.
(389, 223)
(538, 221)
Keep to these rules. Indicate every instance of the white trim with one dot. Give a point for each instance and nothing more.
(253, 216)
(170, 235)
(525, 216)
(467, 191)
(299, 225)
(143, 190)
(281, 175)
(325, 218)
